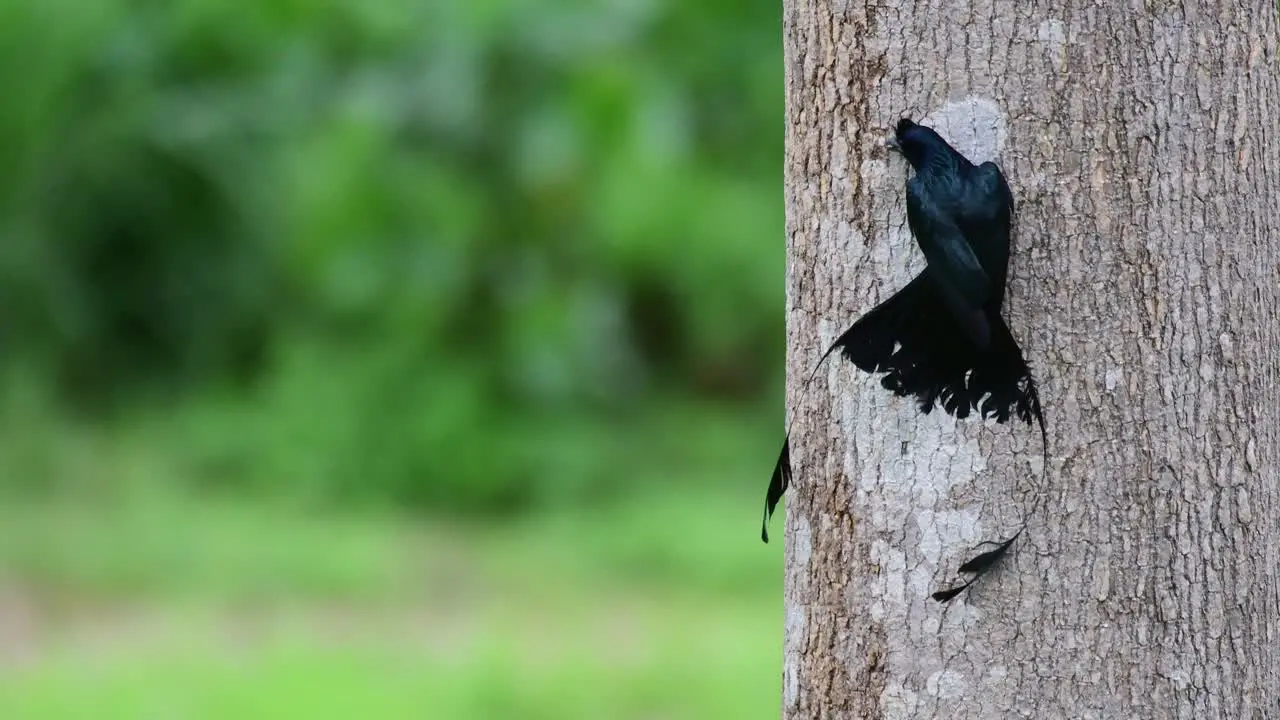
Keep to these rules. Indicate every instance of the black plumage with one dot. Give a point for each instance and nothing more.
(941, 339)
(979, 565)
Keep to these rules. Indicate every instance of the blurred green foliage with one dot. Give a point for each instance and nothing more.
(171, 607)
(444, 254)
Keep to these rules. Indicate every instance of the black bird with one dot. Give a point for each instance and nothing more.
(941, 339)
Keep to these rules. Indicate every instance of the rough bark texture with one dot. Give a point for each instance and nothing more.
(1142, 141)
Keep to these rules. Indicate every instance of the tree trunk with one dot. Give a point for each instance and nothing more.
(1142, 142)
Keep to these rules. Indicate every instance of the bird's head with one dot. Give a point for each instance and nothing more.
(915, 142)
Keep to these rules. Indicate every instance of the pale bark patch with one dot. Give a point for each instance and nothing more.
(976, 126)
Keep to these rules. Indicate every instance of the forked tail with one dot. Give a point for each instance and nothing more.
(1006, 381)
(872, 344)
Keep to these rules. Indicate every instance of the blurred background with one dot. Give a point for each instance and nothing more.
(389, 359)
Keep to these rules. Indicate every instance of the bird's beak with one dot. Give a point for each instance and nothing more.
(892, 144)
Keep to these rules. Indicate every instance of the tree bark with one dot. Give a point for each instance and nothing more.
(1142, 142)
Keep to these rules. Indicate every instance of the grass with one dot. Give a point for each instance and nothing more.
(680, 661)
(663, 606)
